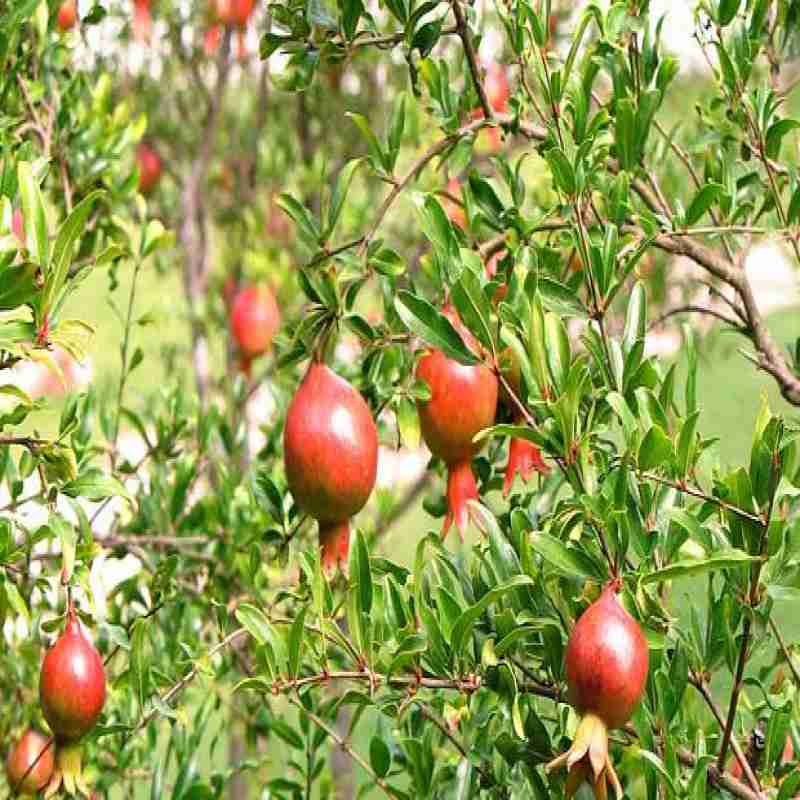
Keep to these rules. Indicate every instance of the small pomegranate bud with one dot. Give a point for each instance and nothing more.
(67, 16)
(607, 663)
(30, 763)
(141, 20)
(331, 456)
(463, 402)
(525, 458)
(18, 225)
(255, 319)
(150, 167)
(72, 684)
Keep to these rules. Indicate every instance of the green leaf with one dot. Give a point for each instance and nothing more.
(655, 449)
(360, 570)
(15, 600)
(703, 200)
(727, 11)
(560, 299)
(374, 146)
(296, 634)
(422, 319)
(94, 485)
(66, 535)
(138, 661)
(473, 307)
(36, 234)
(380, 758)
(776, 133)
(255, 622)
(568, 561)
(636, 318)
(408, 422)
(723, 559)
(464, 624)
(339, 194)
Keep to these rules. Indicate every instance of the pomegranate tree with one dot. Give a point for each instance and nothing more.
(331, 457)
(150, 167)
(30, 763)
(463, 402)
(255, 319)
(67, 15)
(72, 692)
(606, 664)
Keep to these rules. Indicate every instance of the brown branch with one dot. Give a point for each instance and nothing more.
(693, 309)
(380, 782)
(747, 770)
(785, 650)
(472, 59)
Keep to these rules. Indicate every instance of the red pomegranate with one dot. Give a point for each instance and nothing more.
(67, 16)
(72, 684)
(331, 457)
(30, 764)
(606, 663)
(18, 225)
(234, 13)
(141, 20)
(211, 39)
(463, 402)
(150, 166)
(255, 319)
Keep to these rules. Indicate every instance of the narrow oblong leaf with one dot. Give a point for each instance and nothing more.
(422, 319)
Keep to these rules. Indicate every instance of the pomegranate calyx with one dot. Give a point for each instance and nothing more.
(334, 543)
(461, 488)
(525, 458)
(587, 760)
(68, 772)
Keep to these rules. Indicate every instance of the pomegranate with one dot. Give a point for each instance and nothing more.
(30, 764)
(72, 685)
(67, 16)
(234, 13)
(463, 402)
(141, 20)
(72, 692)
(150, 166)
(331, 457)
(606, 663)
(255, 319)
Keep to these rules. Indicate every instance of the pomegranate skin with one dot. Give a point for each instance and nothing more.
(463, 402)
(72, 684)
(32, 748)
(150, 167)
(607, 662)
(67, 16)
(330, 447)
(255, 319)
(141, 20)
(235, 13)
